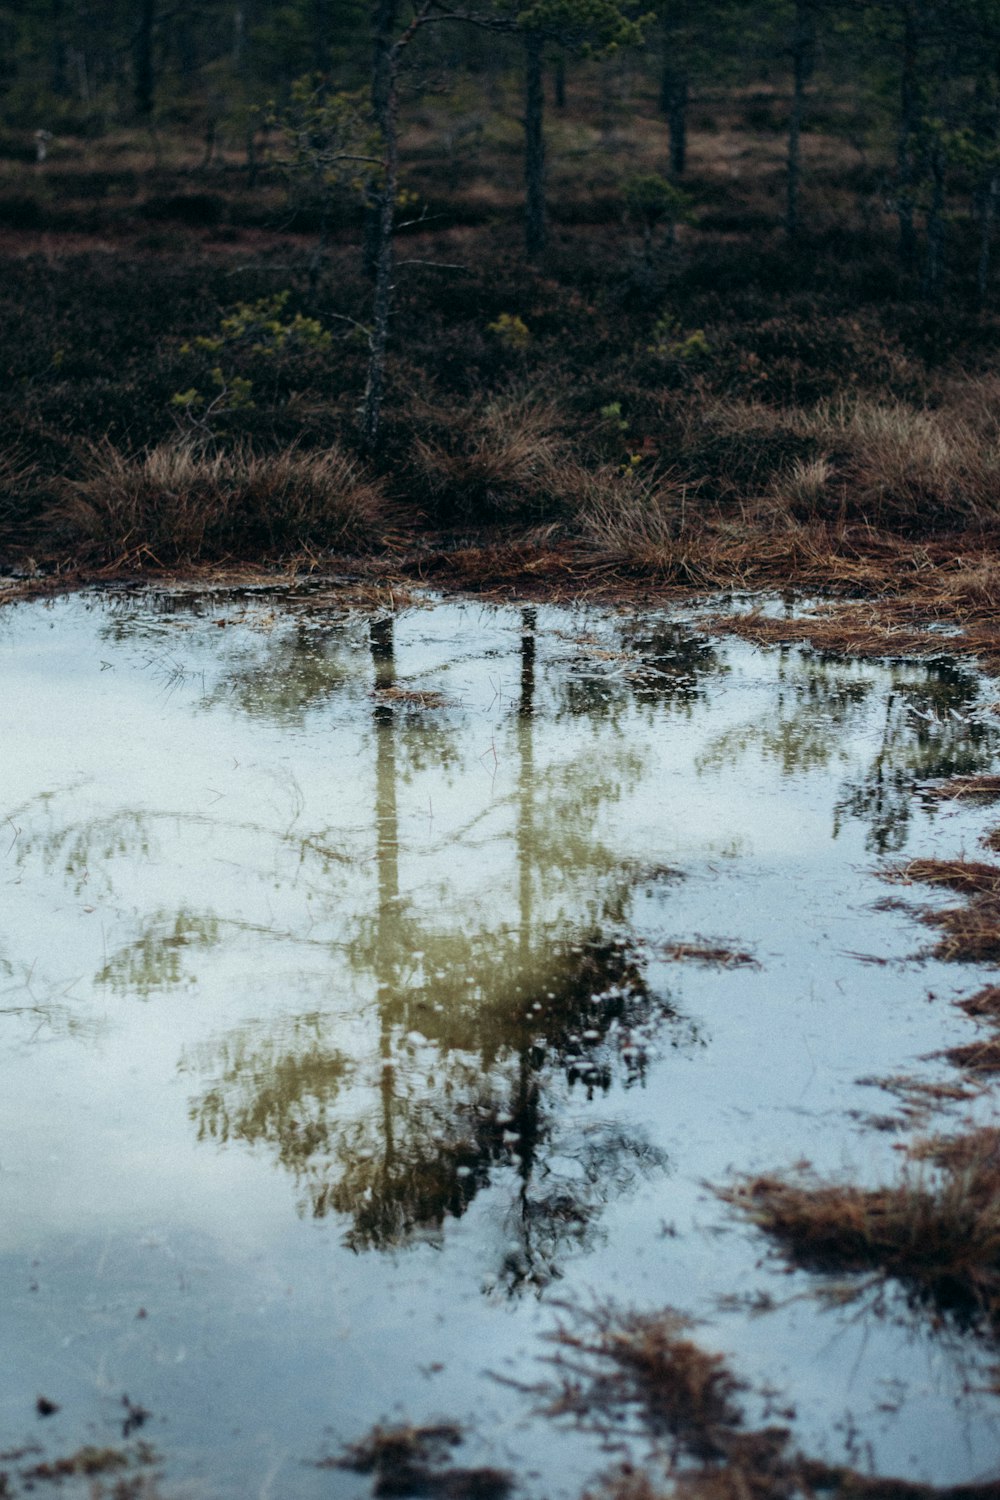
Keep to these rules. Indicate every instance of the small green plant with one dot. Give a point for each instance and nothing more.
(511, 331)
(671, 342)
(258, 328)
(612, 415)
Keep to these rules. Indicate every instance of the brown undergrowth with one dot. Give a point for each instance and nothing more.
(971, 932)
(615, 1371)
(408, 1460)
(936, 1233)
(182, 501)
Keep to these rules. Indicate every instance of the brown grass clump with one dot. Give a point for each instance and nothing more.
(890, 462)
(984, 1004)
(709, 953)
(976, 1057)
(610, 1364)
(647, 521)
(982, 788)
(970, 933)
(501, 460)
(180, 502)
(417, 1461)
(940, 1237)
(608, 1360)
(971, 877)
(410, 697)
(862, 631)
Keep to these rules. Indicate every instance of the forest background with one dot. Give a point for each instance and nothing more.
(699, 292)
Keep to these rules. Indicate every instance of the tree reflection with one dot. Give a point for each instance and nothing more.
(926, 732)
(648, 665)
(155, 959)
(481, 1032)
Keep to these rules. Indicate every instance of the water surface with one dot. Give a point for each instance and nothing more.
(352, 1015)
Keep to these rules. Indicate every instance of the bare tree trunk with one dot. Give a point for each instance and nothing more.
(383, 84)
(908, 118)
(803, 58)
(673, 105)
(934, 264)
(987, 216)
(371, 409)
(534, 146)
(144, 75)
(559, 82)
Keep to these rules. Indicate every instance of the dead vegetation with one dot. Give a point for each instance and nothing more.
(723, 954)
(183, 502)
(416, 1461)
(969, 933)
(984, 1004)
(613, 1368)
(404, 697)
(967, 789)
(937, 1234)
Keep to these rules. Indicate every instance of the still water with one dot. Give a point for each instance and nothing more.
(371, 984)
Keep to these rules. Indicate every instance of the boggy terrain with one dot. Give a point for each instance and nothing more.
(729, 411)
(185, 357)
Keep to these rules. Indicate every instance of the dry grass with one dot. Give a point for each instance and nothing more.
(939, 1235)
(976, 1057)
(887, 461)
(970, 933)
(627, 516)
(611, 1365)
(709, 953)
(178, 502)
(984, 1004)
(971, 877)
(501, 458)
(609, 1361)
(410, 1460)
(861, 630)
(410, 697)
(968, 788)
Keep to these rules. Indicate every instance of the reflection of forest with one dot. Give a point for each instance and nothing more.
(926, 733)
(483, 999)
(482, 1030)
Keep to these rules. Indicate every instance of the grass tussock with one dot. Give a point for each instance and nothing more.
(608, 1362)
(633, 518)
(969, 933)
(410, 1460)
(404, 697)
(498, 460)
(984, 1004)
(937, 1234)
(982, 1057)
(895, 463)
(179, 502)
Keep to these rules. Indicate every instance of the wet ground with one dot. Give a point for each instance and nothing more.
(371, 985)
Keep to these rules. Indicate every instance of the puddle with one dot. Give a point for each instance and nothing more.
(368, 986)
